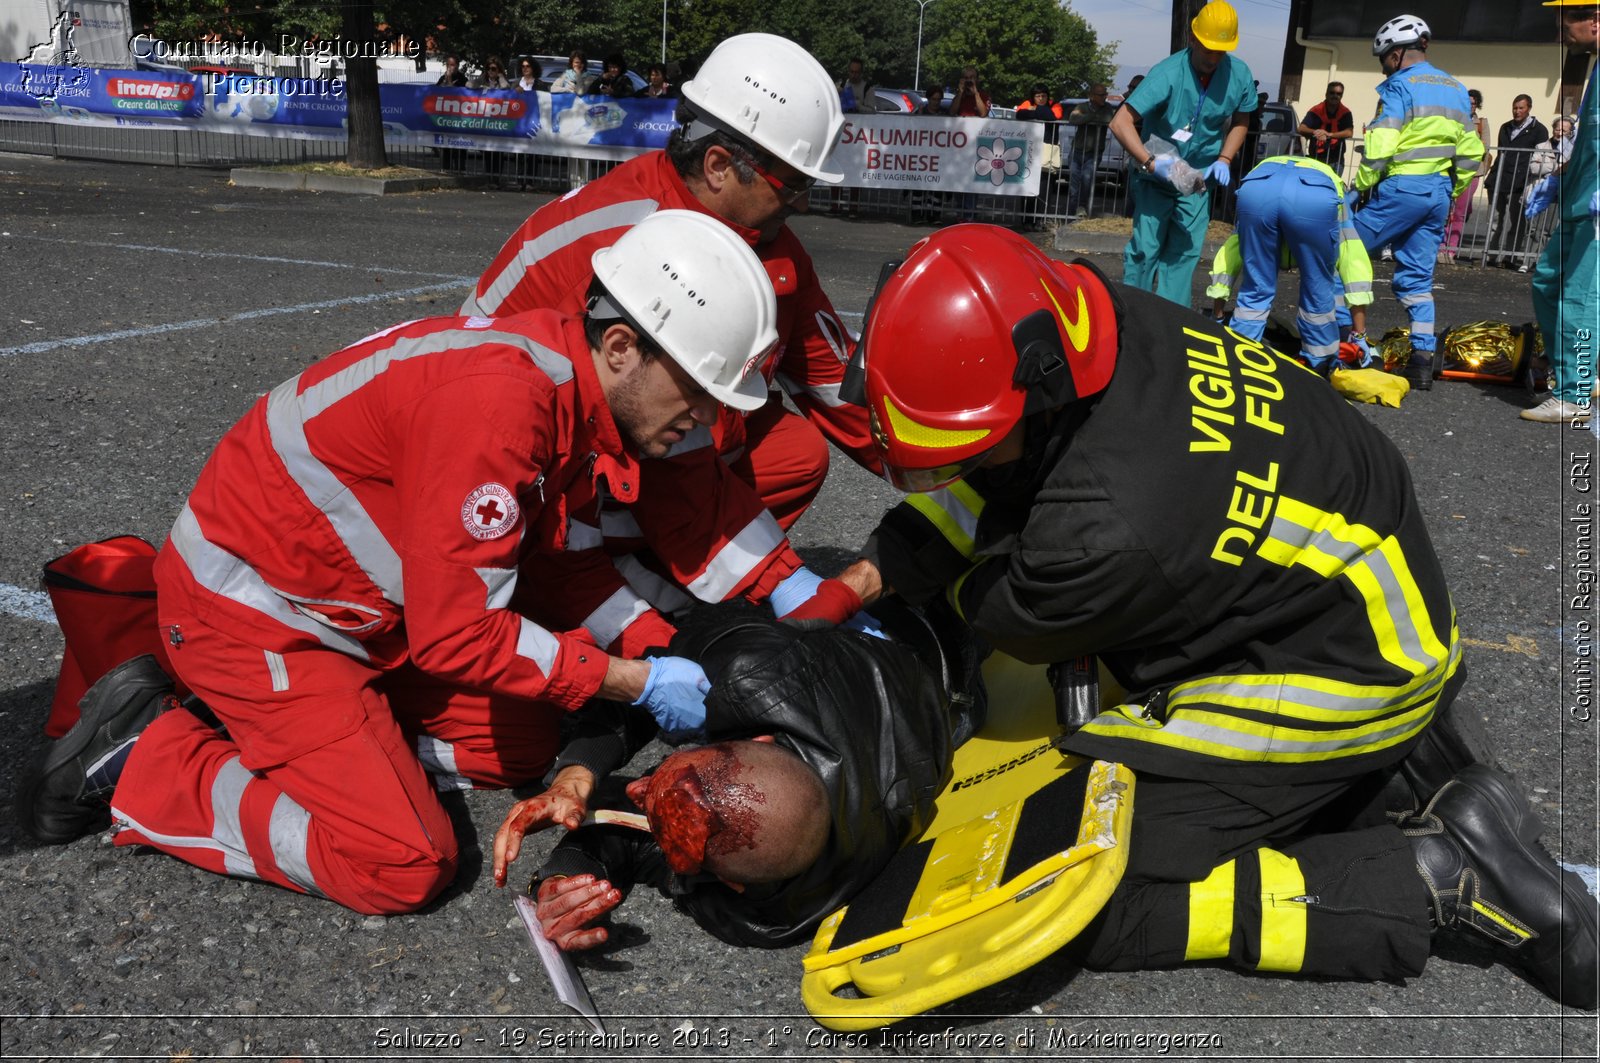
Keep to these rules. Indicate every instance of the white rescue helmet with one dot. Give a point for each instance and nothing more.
(1401, 32)
(770, 91)
(691, 286)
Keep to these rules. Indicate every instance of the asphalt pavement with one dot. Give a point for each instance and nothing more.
(145, 308)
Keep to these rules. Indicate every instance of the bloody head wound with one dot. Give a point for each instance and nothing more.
(699, 810)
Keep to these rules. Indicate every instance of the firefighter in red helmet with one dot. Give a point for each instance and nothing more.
(1105, 473)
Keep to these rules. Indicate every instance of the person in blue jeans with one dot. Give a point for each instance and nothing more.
(1422, 149)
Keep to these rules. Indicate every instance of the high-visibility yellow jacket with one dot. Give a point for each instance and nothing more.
(1423, 126)
(1354, 266)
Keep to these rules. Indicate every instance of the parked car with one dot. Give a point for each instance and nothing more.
(897, 101)
(1278, 136)
(551, 67)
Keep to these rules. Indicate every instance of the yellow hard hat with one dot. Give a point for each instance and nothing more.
(1217, 26)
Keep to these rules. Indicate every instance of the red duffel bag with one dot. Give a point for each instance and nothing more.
(104, 596)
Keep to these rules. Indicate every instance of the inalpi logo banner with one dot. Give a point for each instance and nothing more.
(594, 127)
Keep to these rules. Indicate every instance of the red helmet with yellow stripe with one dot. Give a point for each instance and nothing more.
(974, 331)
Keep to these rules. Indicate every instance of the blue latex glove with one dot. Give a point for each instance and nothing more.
(1370, 358)
(675, 693)
(794, 590)
(1163, 165)
(1542, 195)
(1220, 173)
(864, 623)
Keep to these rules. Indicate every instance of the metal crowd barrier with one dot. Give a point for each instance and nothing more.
(1489, 230)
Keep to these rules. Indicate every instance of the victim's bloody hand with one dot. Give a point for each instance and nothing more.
(564, 804)
(568, 906)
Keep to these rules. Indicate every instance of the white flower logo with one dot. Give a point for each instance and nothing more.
(997, 162)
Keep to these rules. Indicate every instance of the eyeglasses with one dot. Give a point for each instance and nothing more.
(787, 192)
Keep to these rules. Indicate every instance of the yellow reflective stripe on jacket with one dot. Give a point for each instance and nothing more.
(1428, 138)
(1283, 912)
(1286, 718)
(954, 510)
(1211, 914)
(1330, 546)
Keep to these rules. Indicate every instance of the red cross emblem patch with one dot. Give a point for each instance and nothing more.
(489, 512)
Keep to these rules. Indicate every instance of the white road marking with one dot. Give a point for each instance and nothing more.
(239, 254)
(248, 315)
(28, 605)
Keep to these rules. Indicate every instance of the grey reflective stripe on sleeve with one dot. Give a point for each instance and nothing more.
(537, 645)
(1452, 113)
(1318, 319)
(1222, 280)
(289, 410)
(227, 793)
(697, 438)
(1244, 313)
(1357, 287)
(581, 536)
(351, 522)
(614, 615)
(227, 576)
(666, 597)
(290, 831)
(619, 523)
(499, 585)
(615, 216)
(827, 394)
(436, 754)
(1376, 165)
(1387, 123)
(1427, 151)
(730, 565)
(1468, 163)
(278, 672)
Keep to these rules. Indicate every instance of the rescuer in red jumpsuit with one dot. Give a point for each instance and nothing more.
(343, 588)
(757, 124)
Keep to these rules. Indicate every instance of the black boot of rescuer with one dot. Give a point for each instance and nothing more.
(69, 794)
(1487, 876)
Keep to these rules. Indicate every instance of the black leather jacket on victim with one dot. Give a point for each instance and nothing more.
(871, 717)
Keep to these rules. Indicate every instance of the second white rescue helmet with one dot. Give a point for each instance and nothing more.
(772, 92)
(694, 288)
(1400, 32)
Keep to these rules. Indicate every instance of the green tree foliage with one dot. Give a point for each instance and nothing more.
(1014, 45)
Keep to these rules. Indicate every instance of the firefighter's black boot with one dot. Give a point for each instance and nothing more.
(69, 794)
(1486, 874)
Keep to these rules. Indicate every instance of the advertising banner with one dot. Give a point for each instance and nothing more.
(595, 127)
(997, 157)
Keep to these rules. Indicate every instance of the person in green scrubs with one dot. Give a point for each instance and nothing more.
(1198, 101)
